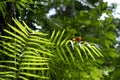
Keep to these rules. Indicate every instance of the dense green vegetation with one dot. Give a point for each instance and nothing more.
(35, 46)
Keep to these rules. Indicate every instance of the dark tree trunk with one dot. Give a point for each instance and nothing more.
(1, 23)
(9, 13)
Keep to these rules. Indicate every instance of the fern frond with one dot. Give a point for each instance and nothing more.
(25, 53)
(70, 51)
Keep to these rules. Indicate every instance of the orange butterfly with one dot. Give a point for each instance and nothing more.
(77, 39)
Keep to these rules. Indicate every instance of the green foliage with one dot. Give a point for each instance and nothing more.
(87, 23)
(29, 55)
(63, 58)
(80, 49)
(2, 9)
(25, 53)
(70, 57)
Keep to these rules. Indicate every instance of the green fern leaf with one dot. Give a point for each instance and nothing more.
(26, 52)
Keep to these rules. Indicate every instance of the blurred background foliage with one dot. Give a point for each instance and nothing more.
(78, 18)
